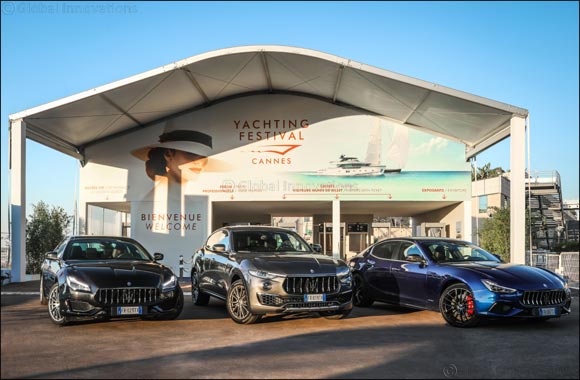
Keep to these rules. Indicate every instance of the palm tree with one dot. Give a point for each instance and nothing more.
(486, 172)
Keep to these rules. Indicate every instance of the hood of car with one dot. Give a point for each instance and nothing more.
(517, 276)
(296, 264)
(113, 274)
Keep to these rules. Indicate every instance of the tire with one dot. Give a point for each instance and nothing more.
(54, 307)
(197, 296)
(457, 306)
(43, 299)
(335, 315)
(238, 304)
(360, 296)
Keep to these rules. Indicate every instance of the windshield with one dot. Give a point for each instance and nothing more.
(269, 241)
(451, 251)
(105, 249)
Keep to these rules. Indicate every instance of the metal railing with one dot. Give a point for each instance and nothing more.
(565, 264)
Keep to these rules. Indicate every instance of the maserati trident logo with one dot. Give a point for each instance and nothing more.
(312, 285)
(129, 283)
(546, 299)
(545, 286)
(311, 270)
(128, 296)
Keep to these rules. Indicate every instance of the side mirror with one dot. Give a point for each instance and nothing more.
(316, 247)
(218, 247)
(158, 256)
(497, 257)
(415, 259)
(52, 256)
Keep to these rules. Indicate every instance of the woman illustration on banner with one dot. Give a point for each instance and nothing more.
(178, 159)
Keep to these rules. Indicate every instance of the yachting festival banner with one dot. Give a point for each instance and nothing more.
(263, 148)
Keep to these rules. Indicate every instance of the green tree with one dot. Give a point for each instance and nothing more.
(494, 235)
(486, 172)
(45, 228)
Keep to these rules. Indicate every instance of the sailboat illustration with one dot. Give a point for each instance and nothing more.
(371, 166)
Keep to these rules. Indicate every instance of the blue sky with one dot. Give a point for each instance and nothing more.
(520, 53)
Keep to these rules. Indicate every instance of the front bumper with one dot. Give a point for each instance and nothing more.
(519, 305)
(273, 299)
(77, 305)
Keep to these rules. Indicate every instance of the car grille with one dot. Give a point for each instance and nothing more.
(298, 301)
(311, 285)
(127, 296)
(309, 305)
(543, 297)
(271, 300)
(292, 302)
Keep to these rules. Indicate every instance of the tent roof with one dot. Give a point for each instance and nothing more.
(73, 123)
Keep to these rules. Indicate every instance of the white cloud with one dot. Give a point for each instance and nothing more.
(434, 144)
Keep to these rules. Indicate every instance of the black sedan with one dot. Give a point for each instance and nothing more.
(100, 277)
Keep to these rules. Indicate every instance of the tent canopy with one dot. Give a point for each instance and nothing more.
(73, 123)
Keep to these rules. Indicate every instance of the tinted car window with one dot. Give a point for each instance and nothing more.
(268, 241)
(60, 249)
(447, 251)
(408, 249)
(105, 249)
(388, 250)
(220, 237)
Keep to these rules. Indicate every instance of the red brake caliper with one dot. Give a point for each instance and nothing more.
(470, 305)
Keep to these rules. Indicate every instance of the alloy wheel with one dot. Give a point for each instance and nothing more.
(54, 306)
(359, 291)
(239, 302)
(360, 296)
(194, 288)
(198, 297)
(458, 306)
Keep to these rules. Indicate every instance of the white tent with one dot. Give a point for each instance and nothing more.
(72, 124)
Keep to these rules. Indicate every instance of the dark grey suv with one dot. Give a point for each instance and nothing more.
(261, 270)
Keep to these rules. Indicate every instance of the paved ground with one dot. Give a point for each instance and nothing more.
(376, 342)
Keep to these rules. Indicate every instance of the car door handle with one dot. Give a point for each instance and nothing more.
(395, 269)
(371, 262)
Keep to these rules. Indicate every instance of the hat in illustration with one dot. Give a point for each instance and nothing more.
(176, 136)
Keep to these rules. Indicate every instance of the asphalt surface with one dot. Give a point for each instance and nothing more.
(375, 342)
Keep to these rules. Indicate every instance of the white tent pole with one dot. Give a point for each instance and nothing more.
(529, 189)
(18, 199)
(76, 201)
(477, 205)
(518, 190)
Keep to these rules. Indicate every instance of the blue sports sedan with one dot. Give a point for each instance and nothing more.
(458, 278)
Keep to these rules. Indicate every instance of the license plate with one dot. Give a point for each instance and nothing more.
(548, 311)
(129, 310)
(314, 297)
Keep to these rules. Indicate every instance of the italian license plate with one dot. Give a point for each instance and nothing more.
(314, 297)
(548, 311)
(129, 310)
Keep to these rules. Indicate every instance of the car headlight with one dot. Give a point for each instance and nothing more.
(170, 284)
(493, 287)
(77, 285)
(265, 275)
(344, 275)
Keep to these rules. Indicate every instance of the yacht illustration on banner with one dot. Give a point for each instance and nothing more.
(351, 166)
(371, 166)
